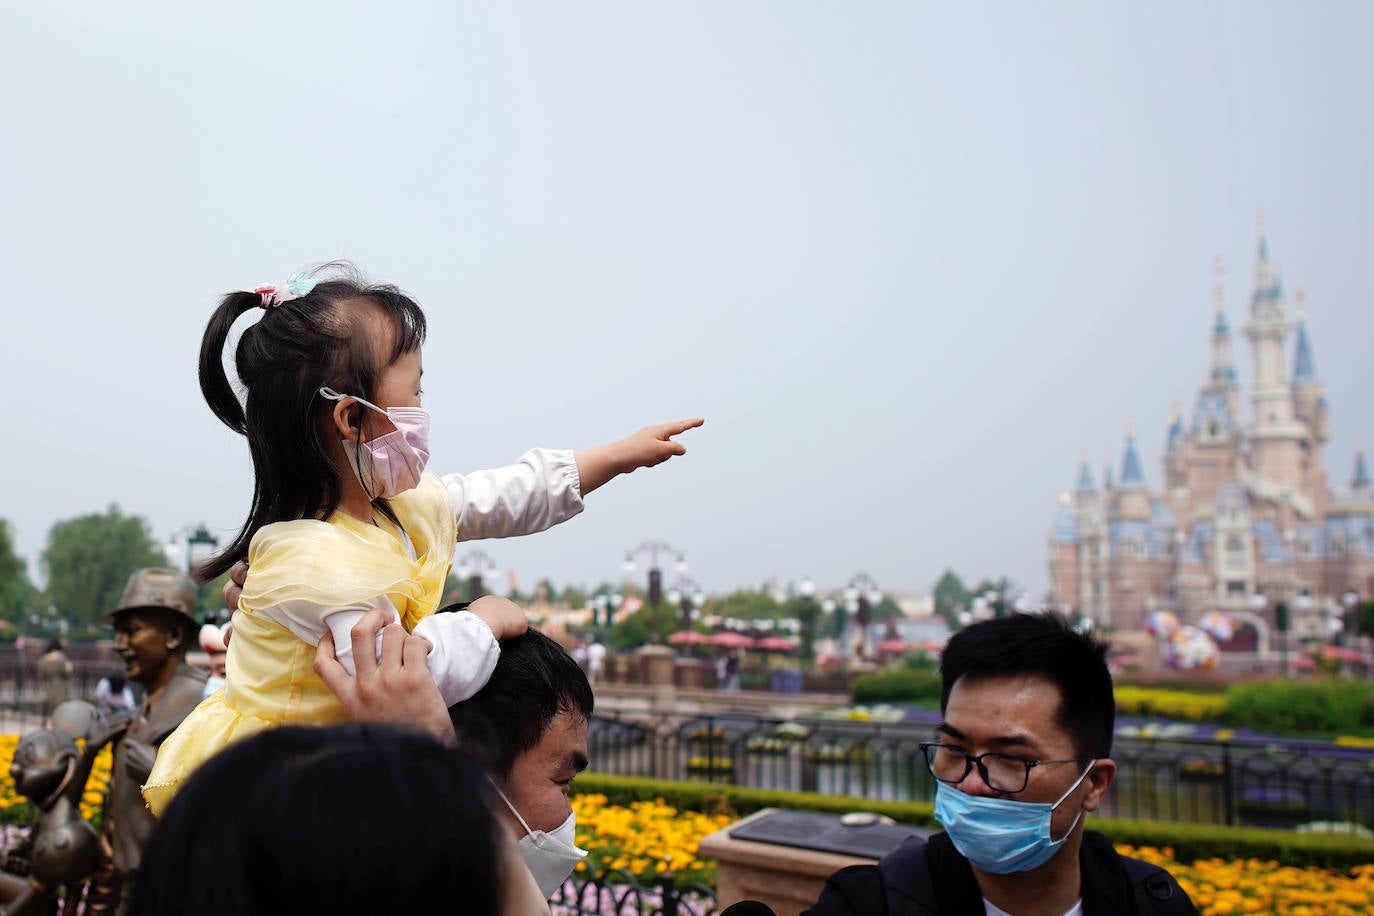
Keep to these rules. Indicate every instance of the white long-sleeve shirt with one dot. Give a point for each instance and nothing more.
(539, 491)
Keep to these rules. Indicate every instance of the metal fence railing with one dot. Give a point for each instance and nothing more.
(22, 690)
(617, 891)
(1276, 783)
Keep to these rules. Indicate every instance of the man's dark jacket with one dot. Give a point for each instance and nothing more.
(930, 878)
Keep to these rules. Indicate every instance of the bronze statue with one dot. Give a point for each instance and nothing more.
(155, 625)
(61, 850)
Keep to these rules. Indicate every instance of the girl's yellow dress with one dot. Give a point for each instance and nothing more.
(334, 564)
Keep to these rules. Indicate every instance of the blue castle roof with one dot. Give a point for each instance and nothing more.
(1131, 473)
(1304, 366)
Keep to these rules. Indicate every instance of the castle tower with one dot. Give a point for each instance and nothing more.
(1175, 452)
(1359, 481)
(1223, 378)
(1309, 403)
(1214, 440)
(1309, 397)
(1085, 493)
(1132, 498)
(1275, 434)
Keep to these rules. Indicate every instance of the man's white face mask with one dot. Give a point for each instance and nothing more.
(551, 857)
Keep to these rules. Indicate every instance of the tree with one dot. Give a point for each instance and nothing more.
(630, 631)
(951, 597)
(89, 559)
(573, 597)
(1365, 618)
(807, 613)
(16, 592)
(747, 605)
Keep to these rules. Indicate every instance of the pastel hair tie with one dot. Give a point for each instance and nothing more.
(298, 286)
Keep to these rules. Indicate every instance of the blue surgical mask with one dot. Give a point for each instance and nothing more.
(999, 835)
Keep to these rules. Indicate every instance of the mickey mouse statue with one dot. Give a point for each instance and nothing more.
(61, 848)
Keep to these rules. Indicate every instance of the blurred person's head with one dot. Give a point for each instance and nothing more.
(216, 652)
(350, 819)
(528, 728)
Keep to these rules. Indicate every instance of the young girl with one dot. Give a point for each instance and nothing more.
(345, 517)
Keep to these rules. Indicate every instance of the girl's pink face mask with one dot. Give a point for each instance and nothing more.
(391, 463)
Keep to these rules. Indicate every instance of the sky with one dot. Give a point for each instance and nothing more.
(909, 260)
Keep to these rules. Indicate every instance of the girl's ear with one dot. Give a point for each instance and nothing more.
(344, 413)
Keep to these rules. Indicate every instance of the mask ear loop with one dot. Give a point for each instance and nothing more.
(528, 831)
(1077, 782)
(332, 395)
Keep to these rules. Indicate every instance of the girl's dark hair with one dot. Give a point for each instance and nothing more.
(116, 681)
(350, 819)
(54, 645)
(327, 338)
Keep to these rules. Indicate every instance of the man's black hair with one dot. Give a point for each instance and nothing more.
(346, 819)
(1047, 646)
(534, 680)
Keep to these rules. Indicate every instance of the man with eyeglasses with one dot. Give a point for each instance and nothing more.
(1023, 752)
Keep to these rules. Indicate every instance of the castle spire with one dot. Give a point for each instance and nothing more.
(1223, 366)
(1085, 476)
(1271, 394)
(1175, 434)
(1131, 473)
(1304, 365)
(1360, 480)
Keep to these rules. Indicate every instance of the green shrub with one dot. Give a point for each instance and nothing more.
(1318, 706)
(1190, 842)
(906, 684)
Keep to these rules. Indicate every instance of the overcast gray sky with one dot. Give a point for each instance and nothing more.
(908, 259)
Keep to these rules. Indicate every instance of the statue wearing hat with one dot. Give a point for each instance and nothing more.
(154, 627)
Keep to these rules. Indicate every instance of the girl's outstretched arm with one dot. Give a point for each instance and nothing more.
(650, 446)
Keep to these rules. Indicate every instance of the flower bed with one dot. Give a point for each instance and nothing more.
(1221, 886)
(645, 838)
(15, 809)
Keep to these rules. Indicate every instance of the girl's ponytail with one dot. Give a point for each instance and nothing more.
(214, 382)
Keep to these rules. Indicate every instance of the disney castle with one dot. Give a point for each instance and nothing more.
(1246, 521)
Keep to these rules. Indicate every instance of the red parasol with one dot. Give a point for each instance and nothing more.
(729, 639)
(1342, 654)
(689, 638)
(775, 644)
(893, 647)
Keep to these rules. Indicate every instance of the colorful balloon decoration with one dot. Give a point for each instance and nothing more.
(1189, 648)
(1217, 624)
(1163, 624)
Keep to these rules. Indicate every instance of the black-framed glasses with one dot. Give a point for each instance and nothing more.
(1001, 772)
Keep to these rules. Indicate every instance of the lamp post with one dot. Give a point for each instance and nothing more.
(199, 545)
(655, 593)
(1350, 615)
(806, 617)
(1259, 603)
(831, 606)
(860, 597)
(689, 598)
(606, 606)
(470, 566)
(189, 547)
